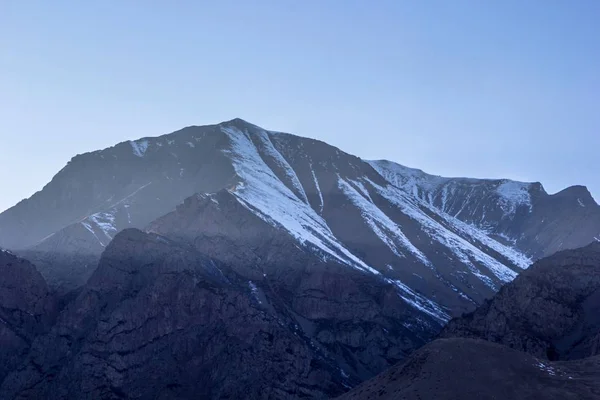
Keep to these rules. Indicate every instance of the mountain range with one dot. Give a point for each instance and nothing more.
(235, 262)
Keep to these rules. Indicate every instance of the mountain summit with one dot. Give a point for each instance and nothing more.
(467, 236)
(348, 265)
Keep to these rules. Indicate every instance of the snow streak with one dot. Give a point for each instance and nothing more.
(266, 196)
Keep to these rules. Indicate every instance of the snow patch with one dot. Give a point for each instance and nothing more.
(544, 367)
(513, 195)
(506, 237)
(254, 291)
(386, 229)
(411, 180)
(272, 201)
(461, 248)
(272, 152)
(363, 190)
(322, 204)
(105, 221)
(139, 147)
(420, 302)
(87, 226)
(517, 258)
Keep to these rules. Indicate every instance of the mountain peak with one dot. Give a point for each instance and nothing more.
(239, 123)
(580, 193)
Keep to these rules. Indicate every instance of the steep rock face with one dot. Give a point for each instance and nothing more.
(358, 318)
(475, 369)
(159, 320)
(129, 184)
(67, 259)
(551, 310)
(26, 309)
(515, 213)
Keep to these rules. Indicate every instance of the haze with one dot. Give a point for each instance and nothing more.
(465, 88)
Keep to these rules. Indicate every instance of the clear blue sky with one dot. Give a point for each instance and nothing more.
(460, 88)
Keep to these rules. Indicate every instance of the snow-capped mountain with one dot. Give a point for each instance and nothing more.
(356, 262)
(458, 240)
(521, 215)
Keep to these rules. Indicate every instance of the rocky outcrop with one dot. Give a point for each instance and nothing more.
(27, 309)
(159, 320)
(549, 313)
(358, 319)
(66, 260)
(551, 310)
(449, 369)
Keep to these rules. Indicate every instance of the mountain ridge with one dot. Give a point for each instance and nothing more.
(576, 188)
(359, 263)
(300, 185)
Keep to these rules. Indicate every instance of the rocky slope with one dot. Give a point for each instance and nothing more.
(475, 369)
(520, 214)
(158, 320)
(551, 310)
(546, 330)
(265, 319)
(27, 309)
(363, 320)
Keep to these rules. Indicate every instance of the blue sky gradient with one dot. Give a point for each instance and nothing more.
(456, 88)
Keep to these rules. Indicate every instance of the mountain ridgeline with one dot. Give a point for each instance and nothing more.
(229, 261)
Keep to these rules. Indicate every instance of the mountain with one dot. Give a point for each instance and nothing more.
(27, 309)
(159, 320)
(521, 215)
(317, 252)
(551, 310)
(541, 330)
(375, 213)
(332, 203)
(449, 369)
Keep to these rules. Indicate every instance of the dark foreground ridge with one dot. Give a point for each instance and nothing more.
(159, 320)
(551, 310)
(549, 313)
(450, 369)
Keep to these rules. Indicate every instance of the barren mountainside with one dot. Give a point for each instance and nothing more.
(369, 215)
(229, 253)
(551, 310)
(536, 339)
